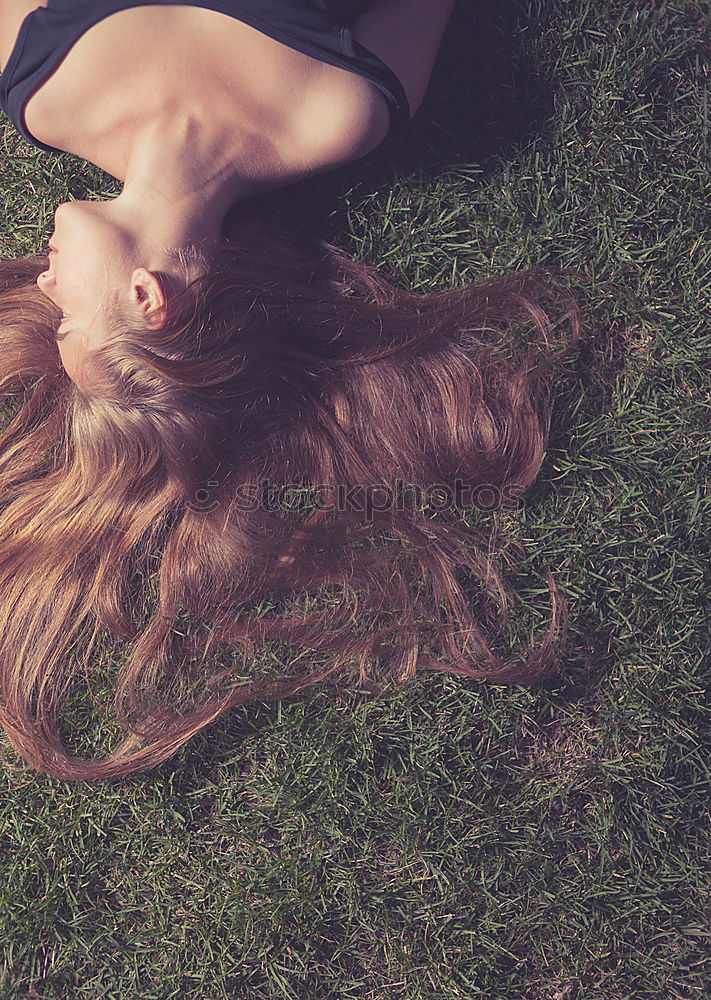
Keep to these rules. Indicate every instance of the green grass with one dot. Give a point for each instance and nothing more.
(455, 840)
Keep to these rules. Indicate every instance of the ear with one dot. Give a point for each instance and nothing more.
(148, 297)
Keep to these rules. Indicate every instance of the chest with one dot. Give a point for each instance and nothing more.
(311, 114)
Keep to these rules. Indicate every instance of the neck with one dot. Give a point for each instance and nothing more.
(181, 181)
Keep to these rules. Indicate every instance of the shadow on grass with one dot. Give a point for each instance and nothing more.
(484, 101)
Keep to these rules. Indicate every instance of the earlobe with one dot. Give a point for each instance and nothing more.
(156, 319)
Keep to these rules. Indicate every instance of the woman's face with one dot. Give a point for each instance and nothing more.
(84, 276)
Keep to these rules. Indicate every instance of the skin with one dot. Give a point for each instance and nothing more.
(178, 189)
(183, 163)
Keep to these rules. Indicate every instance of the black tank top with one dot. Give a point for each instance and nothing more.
(320, 28)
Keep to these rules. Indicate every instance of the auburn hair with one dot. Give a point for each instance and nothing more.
(266, 491)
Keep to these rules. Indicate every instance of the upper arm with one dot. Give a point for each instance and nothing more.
(406, 35)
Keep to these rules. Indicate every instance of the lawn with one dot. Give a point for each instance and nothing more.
(453, 840)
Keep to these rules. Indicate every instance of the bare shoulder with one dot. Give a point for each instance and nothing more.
(344, 124)
(12, 14)
(406, 35)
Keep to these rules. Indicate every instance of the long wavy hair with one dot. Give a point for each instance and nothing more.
(266, 491)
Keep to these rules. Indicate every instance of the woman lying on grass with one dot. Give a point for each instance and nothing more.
(164, 378)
